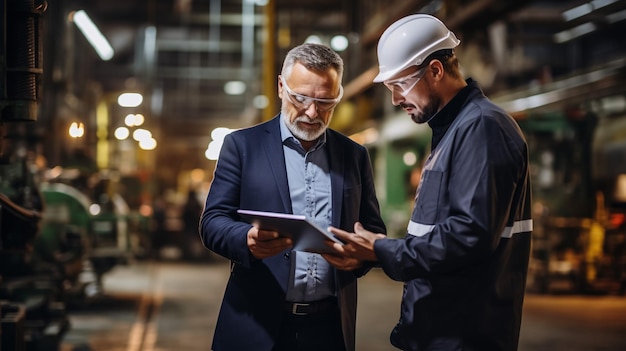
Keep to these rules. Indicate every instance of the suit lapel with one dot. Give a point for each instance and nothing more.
(336, 157)
(273, 146)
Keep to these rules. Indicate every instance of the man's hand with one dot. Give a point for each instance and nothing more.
(340, 261)
(358, 245)
(263, 243)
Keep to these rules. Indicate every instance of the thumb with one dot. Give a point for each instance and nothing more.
(358, 227)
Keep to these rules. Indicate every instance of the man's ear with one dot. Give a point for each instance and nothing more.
(435, 68)
(280, 87)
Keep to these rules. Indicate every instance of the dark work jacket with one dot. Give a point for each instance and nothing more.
(251, 174)
(465, 258)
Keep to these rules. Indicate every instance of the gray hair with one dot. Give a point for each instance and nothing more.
(315, 57)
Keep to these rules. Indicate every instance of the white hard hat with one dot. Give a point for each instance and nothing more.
(409, 41)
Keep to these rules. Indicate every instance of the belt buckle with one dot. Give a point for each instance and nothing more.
(294, 309)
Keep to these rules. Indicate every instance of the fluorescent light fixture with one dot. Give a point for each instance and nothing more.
(616, 16)
(257, 2)
(585, 9)
(93, 35)
(597, 4)
(577, 11)
(575, 32)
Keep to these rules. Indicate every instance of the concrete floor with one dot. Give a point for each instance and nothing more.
(172, 306)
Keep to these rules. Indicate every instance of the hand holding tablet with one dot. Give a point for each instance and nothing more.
(306, 235)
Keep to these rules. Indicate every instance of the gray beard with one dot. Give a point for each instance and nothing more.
(299, 133)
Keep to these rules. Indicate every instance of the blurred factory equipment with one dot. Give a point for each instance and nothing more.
(85, 246)
(575, 128)
(32, 313)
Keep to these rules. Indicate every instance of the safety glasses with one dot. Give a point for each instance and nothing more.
(303, 102)
(405, 84)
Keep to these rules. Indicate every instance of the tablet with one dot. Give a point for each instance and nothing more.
(306, 235)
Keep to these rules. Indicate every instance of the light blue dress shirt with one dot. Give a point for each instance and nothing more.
(308, 174)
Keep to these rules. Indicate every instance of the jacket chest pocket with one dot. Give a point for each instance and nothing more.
(427, 197)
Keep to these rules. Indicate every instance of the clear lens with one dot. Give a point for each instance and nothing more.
(405, 84)
(303, 102)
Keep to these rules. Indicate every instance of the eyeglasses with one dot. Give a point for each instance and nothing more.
(303, 102)
(405, 84)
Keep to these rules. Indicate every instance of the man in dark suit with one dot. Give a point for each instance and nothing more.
(277, 299)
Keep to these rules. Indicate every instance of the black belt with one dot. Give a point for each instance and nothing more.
(312, 307)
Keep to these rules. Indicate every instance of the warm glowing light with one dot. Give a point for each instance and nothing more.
(141, 134)
(213, 150)
(409, 158)
(139, 119)
(134, 119)
(130, 99)
(94, 209)
(121, 133)
(148, 144)
(77, 130)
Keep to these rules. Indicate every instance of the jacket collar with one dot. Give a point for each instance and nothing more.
(442, 120)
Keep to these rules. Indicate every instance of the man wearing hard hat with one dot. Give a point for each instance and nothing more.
(465, 257)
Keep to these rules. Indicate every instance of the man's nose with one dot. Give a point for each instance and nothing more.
(396, 98)
(311, 111)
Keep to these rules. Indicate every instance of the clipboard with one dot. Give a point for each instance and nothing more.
(306, 235)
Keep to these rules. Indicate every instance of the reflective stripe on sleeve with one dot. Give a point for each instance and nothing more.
(518, 227)
(418, 229)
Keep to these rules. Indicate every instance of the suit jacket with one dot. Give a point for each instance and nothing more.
(251, 174)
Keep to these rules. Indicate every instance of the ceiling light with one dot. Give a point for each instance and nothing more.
(130, 99)
(219, 133)
(93, 35)
(616, 16)
(339, 42)
(313, 39)
(260, 102)
(148, 144)
(77, 130)
(577, 11)
(575, 32)
(142, 134)
(585, 9)
(121, 133)
(235, 87)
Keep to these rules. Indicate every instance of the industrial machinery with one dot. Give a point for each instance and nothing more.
(575, 127)
(32, 313)
(83, 245)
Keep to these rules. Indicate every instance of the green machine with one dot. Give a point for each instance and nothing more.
(83, 244)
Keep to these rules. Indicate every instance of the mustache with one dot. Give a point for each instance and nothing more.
(308, 120)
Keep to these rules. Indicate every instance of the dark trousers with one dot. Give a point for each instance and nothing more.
(311, 332)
